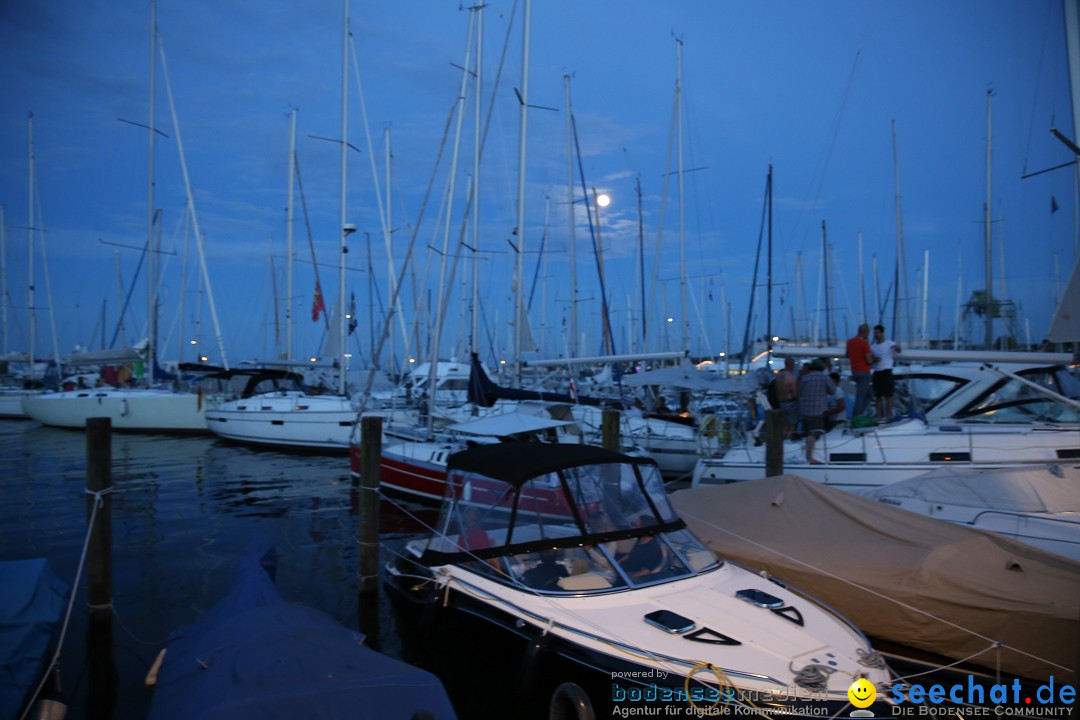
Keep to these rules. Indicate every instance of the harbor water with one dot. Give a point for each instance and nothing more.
(184, 510)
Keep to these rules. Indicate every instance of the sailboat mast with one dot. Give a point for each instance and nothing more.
(768, 302)
(519, 269)
(3, 286)
(289, 238)
(474, 333)
(825, 280)
(30, 239)
(150, 275)
(988, 233)
(899, 272)
(341, 217)
(682, 220)
(570, 214)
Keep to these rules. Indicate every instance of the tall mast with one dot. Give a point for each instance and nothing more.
(150, 273)
(570, 213)
(825, 280)
(862, 285)
(289, 238)
(768, 302)
(519, 269)
(30, 239)
(474, 333)
(341, 218)
(3, 285)
(988, 233)
(899, 272)
(682, 220)
(641, 260)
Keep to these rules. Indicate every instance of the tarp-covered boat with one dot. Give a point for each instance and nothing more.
(253, 655)
(944, 588)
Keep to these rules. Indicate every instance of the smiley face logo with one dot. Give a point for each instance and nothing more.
(862, 693)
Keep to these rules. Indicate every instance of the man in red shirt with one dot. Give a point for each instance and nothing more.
(858, 353)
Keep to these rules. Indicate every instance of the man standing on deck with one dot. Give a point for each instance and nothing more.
(815, 389)
(787, 395)
(860, 357)
(884, 352)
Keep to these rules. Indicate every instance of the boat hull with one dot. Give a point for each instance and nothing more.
(291, 420)
(128, 409)
(882, 456)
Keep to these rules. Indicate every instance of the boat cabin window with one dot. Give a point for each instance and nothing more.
(918, 393)
(1012, 401)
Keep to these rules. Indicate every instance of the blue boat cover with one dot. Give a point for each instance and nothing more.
(253, 655)
(32, 601)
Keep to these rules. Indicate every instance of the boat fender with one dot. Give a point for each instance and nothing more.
(530, 664)
(570, 702)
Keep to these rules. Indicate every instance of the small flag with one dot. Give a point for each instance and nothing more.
(352, 313)
(318, 305)
(1053, 205)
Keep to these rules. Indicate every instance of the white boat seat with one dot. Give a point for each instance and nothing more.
(584, 581)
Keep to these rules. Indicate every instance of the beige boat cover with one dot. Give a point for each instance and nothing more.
(898, 575)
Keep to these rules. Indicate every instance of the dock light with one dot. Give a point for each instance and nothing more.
(671, 319)
(203, 358)
(412, 360)
(314, 359)
(502, 362)
(603, 200)
(723, 354)
(775, 339)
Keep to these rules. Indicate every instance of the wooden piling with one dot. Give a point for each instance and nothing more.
(774, 443)
(99, 480)
(368, 526)
(103, 677)
(609, 430)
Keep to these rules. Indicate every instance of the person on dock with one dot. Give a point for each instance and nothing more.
(884, 352)
(860, 358)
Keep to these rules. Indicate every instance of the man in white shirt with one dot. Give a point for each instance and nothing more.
(884, 353)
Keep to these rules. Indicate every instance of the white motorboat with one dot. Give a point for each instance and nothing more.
(967, 416)
(541, 562)
(1039, 505)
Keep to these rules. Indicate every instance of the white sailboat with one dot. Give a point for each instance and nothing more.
(138, 408)
(295, 418)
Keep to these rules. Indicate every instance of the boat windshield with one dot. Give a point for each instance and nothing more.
(1013, 401)
(919, 392)
(587, 528)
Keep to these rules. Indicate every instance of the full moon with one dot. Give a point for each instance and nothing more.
(603, 200)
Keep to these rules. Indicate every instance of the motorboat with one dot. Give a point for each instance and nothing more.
(985, 416)
(417, 466)
(559, 562)
(1038, 505)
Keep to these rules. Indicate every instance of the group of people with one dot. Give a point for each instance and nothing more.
(872, 367)
(813, 398)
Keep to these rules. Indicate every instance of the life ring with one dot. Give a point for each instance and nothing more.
(570, 702)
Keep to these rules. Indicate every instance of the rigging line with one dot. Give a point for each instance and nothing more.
(834, 133)
(753, 283)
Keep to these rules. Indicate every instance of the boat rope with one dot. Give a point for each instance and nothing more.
(961, 661)
(813, 677)
(99, 500)
(992, 643)
(871, 659)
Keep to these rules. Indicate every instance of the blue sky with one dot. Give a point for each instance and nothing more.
(811, 88)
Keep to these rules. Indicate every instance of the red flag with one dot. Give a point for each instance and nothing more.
(318, 305)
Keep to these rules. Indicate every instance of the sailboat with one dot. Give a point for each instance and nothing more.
(148, 409)
(297, 418)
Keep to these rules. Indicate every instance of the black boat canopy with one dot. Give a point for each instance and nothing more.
(518, 462)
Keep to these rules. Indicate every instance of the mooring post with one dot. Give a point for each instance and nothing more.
(774, 443)
(99, 509)
(103, 678)
(609, 430)
(368, 526)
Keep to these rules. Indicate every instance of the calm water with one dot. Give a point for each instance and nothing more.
(184, 510)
